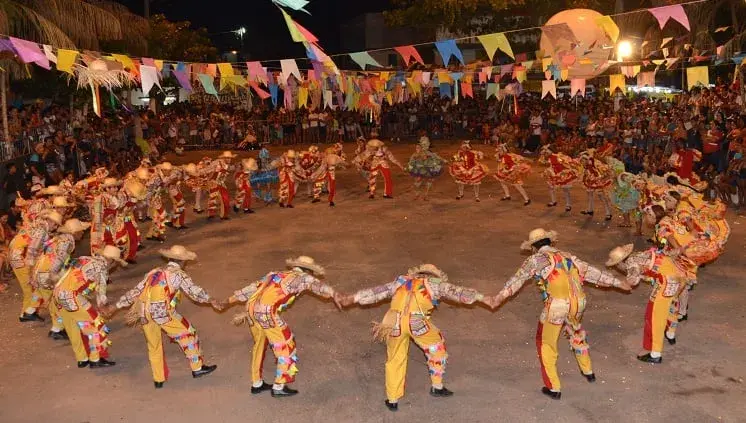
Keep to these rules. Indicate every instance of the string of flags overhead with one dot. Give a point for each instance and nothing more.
(324, 82)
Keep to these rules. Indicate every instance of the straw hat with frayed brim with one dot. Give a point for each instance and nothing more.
(191, 169)
(178, 252)
(290, 154)
(111, 183)
(142, 173)
(73, 226)
(619, 254)
(537, 235)
(428, 269)
(228, 155)
(112, 253)
(375, 143)
(136, 189)
(307, 263)
(60, 201)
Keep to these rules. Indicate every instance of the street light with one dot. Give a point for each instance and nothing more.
(624, 49)
(240, 32)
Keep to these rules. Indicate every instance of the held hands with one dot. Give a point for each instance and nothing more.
(218, 305)
(342, 301)
(108, 311)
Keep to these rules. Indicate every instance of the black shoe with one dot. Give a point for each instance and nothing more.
(248, 211)
(568, 208)
(370, 197)
(591, 377)
(210, 217)
(388, 197)
(393, 406)
(169, 224)
(587, 213)
(527, 202)
(83, 364)
(671, 341)
(442, 392)
(258, 390)
(182, 228)
(290, 206)
(648, 359)
(552, 204)
(140, 247)
(33, 317)
(315, 200)
(225, 218)
(205, 370)
(505, 198)
(158, 385)
(331, 204)
(102, 363)
(282, 205)
(284, 392)
(458, 197)
(684, 317)
(130, 261)
(551, 394)
(236, 209)
(58, 336)
(607, 218)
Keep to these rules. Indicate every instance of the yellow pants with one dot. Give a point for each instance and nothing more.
(283, 347)
(46, 298)
(87, 333)
(661, 315)
(179, 330)
(30, 299)
(553, 322)
(429, 339)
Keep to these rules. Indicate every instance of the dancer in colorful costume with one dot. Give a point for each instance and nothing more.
(362, 160)
(156, 206)
(597, 179)
(173, 179)
(625, 197)
(414, 296)
(127, 232)
(242, 179)
(220, 203)
(287, 170)
(153, 306)
(23, 251)
(326, 174)
(562, 171)
(265, 299)
(466, 169)
(199, 182)
(308, 163)
(560, 277)
(57, 253)
(265, 177)
(668, 281)
(84, 278)
(380, 159)
(424, 166)
(511, 169)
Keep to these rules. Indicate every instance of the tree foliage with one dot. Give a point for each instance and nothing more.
(179, 41)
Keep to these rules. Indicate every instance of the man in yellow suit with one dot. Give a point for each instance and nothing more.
(669, 280)
(23, 251)
(153, 305)
(55, 256)
(82, 280)
(265, 299)
(413, 298)
(560, 277)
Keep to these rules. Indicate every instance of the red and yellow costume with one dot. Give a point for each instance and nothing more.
(326, 174)
(380, 159)
(308, 163)
(597, 179)
(23, 251)
(174, 182)
(511, 169)
(243, 188)
(466, 169)
(561, 172)
(219, 203)
(57, 253)
(156, 207)
(287, 170)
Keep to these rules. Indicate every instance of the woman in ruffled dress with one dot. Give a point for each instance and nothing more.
(265, 177)
(424, 166)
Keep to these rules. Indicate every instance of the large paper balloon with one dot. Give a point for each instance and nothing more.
(591, 41)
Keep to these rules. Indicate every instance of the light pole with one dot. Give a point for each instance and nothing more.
(240, 32)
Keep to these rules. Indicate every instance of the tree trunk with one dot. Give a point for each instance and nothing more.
(3, 83)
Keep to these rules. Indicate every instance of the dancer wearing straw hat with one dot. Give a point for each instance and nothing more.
(56, 254)
(466, 169)
(105, 208)
(326, 174)
(61, 205)
(309, 162)
(243, 186)
(265, 299)
(414, 296)
(219, 203)
(560, 277)
(286, 165)
(84, 278)
(127, 234)
(173, 180)
(511, 169)
(155, 185)
(23, 251)
(381, 159)
(153, 306)
(669, 280)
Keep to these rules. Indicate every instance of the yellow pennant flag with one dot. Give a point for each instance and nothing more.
(636, 70)
(520, 75)
(492, 42)
(564, 73)
(658, 61)
(617, 81)
(697, 75)
(158, 64)
(302, 96)
(225, 69)
(125, 61)
(385, 76)
(545, 63)
(66, 59)
(609, 27)
(444, 78)
(294, 33)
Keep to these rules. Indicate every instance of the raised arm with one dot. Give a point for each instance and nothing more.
(377, 293)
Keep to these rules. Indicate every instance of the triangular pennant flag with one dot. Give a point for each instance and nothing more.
(49, 53)
(564, 73)
(425, 77)
(546, 63)
(29, 52)
(671, 61)
(257, 72)
(208, 83)
(675, 12)
(493, 42)
(646, 78)
(697, 75)
(66, 59)
(126, 61)
(445, 91)
(528, 64)
(577, 86)
(183, 79)
(609, 27)
(289, 67)
(364, 58)
(466, 90)
(722, 29)
(549, 86)
(260, 92)
(492, 90)
(448, 48)
(408, 53)
(225, 69)
(520, 75)
(148, 78)
(293, 4)
(302, 97)
(295, 34)
(666, 41)
(658, 62)
(616, 81)
(306, 33)
(158, 64)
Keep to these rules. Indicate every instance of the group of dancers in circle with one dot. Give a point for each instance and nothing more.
(689, 232)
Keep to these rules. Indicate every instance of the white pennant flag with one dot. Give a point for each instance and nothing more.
(148, 78)
(549, 86)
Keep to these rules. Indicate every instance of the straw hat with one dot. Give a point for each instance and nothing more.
(249, 164)
(619, 254)
(375, 143)
(112, 253)
(111, 183)
(228, 155)
(306, 263)
(178, 252)
(73, 226)
(135, 189)
(53, 216)
(191, 169)
(290, 154)
(142, 173)
(52, 190)
(101, 172)
(166, 166)
(60, 201)
(537, 235)
(428, 269)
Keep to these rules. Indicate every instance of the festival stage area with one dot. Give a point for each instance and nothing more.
(492, 367)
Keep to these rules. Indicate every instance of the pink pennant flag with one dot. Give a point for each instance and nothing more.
(260, 92)
(466, 90)
(306, 33)
(506, 69)
(521, 57)
(311, 76)
(29, 52)
(675, 12)
(408, 53)
(257, 72)
(483, 78)
(148, 62)
(577, 85)
(426, 78)
(646, 78)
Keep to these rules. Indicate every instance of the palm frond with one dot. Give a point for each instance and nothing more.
(22, 22)
(84, 23)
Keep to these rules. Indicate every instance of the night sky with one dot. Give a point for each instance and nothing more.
(267, 36)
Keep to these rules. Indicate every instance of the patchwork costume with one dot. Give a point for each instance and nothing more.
(466, 169)
(561, 172)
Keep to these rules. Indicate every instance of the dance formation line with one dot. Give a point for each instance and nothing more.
(689, 233)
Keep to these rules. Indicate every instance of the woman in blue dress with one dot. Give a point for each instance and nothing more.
(262, 180)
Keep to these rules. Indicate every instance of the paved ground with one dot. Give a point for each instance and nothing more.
(492, 368)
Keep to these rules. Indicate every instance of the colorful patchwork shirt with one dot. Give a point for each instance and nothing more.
(176, 278)
(291, 283)
(38, 236)
(435, 287)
